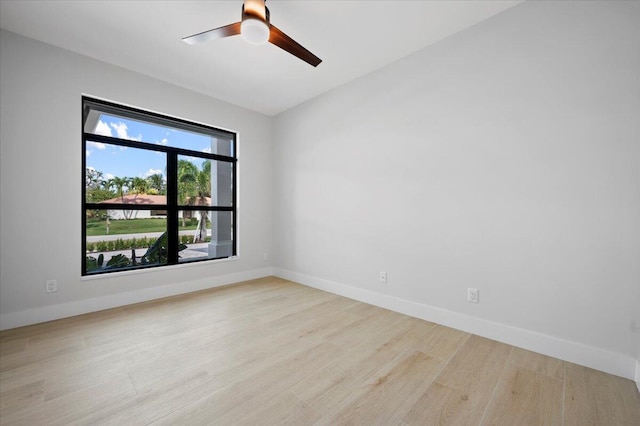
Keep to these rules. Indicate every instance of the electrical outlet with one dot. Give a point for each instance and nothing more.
(51, 286)
(383, 277)
(472, 295)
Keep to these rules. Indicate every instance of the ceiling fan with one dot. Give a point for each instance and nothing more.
(256, 28)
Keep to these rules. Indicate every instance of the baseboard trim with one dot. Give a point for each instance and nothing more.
(638, 374)
(578, 353)
(79, 307)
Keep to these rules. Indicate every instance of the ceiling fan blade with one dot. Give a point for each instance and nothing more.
(226, 31)
(285, 42)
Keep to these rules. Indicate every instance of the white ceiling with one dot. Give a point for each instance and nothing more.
(353, 38)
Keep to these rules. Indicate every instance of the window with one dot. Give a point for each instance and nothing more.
(157, 190)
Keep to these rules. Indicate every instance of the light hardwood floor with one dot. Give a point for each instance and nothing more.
(271, 351)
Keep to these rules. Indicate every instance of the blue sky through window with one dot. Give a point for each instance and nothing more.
(113, 160)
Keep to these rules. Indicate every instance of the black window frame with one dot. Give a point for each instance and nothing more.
(172, 207)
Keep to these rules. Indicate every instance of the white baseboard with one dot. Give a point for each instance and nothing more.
(79, 307)
(578, 353)
(638, 374)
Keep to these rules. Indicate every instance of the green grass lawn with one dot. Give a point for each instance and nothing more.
(133, 226)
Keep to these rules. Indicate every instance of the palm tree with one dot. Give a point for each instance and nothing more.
(139, 185)
(107, 184)
(120, 183)
(194, 185)
(203, 187)
(156, 182)
(187, 173)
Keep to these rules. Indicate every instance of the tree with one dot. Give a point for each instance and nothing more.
(139, 185)
(157, 182)
(92, 178)
(203, 188)
(187, 172)
(97, 189)
(120, 183)
(194, 185)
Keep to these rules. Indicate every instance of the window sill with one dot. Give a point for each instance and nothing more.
(156, 269)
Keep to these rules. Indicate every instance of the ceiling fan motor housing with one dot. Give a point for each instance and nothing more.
(255, 24)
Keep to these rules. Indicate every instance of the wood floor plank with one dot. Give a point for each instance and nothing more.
(476, 366)
(596, 398)
(231, 403)
(443, 405)
(462, 390)
(11, 346)
(442, 342)
(389, 394)
(270, 351)
(63, 411)
(524, 397)
(284, 410)
(543, 364)
(28, 396)
(151, 406)
(340, 382)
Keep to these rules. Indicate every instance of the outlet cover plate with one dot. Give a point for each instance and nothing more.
(51, 286)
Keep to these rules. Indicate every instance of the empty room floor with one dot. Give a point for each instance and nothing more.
(270, 351)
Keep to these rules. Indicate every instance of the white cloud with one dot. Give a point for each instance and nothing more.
(152, 172)
(122, 131)
(97, 145)
(87, 153)
(207, 150)
(108, 176)
(163, 142)
(103, 129)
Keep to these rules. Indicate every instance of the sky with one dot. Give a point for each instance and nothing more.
(114, 160)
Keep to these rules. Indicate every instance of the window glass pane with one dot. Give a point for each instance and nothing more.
(119, 244)
(204, 182)
(211, 238)
(122, 175)
(145, 130)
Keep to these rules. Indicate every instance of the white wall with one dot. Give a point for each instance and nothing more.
(505, 158)
(40, 185)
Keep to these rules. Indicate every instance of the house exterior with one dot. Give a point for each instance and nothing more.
(151, 200)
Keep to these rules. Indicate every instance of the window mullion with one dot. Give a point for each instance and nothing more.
(173, 240)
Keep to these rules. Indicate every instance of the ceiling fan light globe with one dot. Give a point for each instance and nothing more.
(254, 31)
